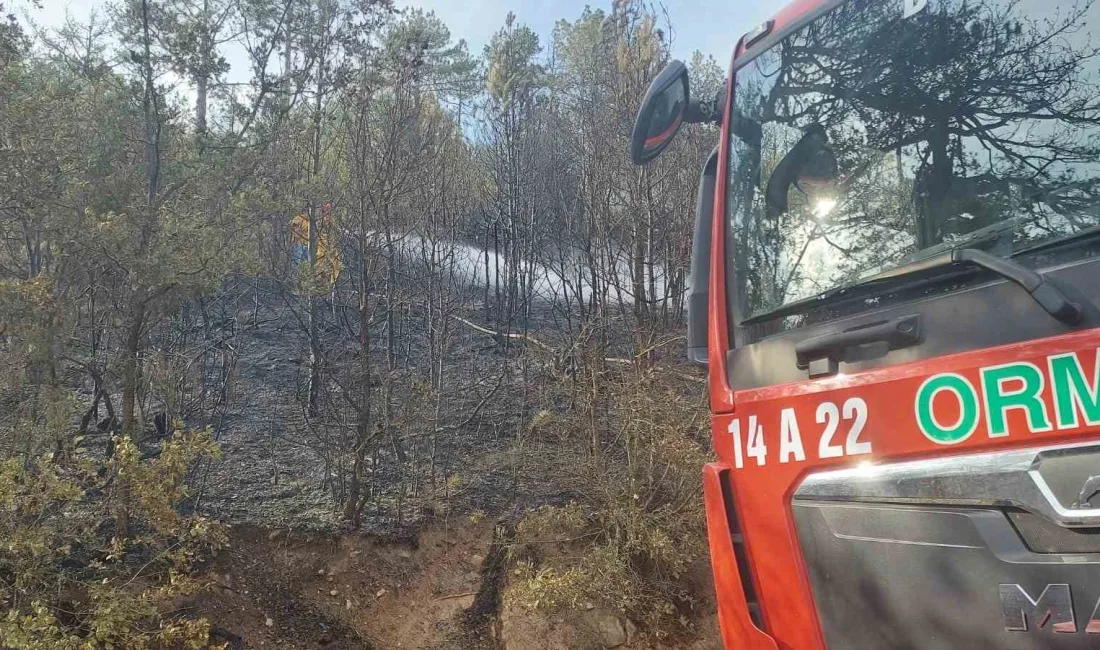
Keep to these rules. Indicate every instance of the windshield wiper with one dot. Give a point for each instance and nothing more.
(1049, 297)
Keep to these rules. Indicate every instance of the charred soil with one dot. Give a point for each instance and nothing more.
(440, 589)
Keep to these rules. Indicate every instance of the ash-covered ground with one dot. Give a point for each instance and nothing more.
(280, 468)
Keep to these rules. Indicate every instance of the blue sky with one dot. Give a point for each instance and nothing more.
(711, 26)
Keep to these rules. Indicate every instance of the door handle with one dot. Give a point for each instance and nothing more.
(895, 333)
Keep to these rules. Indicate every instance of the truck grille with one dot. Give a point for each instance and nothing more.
(995, 550)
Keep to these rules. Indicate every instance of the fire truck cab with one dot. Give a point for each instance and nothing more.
(895, 291)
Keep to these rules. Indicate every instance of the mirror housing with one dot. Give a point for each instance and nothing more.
(810, 166)
(662, 113)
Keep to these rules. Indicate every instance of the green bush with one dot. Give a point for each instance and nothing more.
(69, 579)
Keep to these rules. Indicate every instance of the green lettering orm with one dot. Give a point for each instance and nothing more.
(930, 425)
(999, 398)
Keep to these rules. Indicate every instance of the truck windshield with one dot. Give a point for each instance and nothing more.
(884, 132)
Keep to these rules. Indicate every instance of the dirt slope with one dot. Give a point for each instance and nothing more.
(306, 591)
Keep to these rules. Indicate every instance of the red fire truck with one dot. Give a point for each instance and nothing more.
(895, 291)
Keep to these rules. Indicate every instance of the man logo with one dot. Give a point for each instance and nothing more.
(1053, 607)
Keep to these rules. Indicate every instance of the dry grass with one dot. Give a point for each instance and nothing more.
(630, 454)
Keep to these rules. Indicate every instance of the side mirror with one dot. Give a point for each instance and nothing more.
(661, 114)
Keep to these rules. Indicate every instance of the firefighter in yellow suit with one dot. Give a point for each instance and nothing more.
(328, 255)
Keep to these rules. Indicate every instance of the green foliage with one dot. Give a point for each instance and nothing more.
(91, 247)
(514, 73)
(12, 39)
(64, 583)
(418, 44)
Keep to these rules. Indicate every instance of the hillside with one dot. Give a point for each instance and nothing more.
(381, 348)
